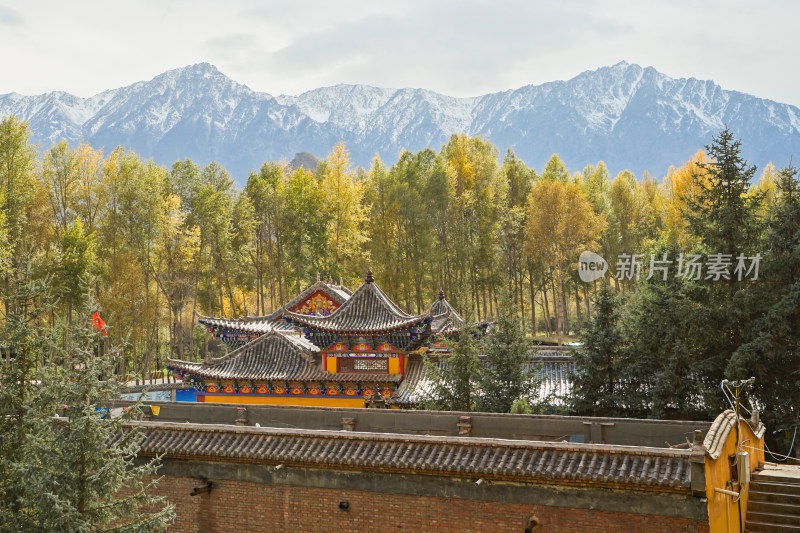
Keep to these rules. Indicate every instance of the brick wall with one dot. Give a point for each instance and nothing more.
(240, 506)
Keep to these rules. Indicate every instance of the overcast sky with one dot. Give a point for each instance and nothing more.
(459, 48)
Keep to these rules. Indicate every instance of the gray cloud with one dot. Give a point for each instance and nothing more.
(454, 47)
(230, 48)
(466, 47)
(10, 17)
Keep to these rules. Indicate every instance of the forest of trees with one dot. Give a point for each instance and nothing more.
(664, 349)
(162, 245)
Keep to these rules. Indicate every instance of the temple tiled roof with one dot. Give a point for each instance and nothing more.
(368, 310)
(555, 384)
(248, 325)
(259, 325)
(415, 387)
(273, 357)
(619, 467)
(556, 375)
(446, 319)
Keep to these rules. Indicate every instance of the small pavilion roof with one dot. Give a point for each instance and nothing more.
(445, 318)
(441, 306)
(275, 356)
(250, 325)
(259, 325)
(339, 293)
(368, 311)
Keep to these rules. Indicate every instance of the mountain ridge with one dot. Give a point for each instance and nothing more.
(629, 116)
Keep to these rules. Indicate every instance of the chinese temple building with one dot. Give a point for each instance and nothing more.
(368, 333)
(332, 347)
(326, 347)
(281, 369)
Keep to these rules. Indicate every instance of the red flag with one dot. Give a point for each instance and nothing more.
(99, 323)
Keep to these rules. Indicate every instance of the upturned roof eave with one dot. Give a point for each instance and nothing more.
(199, 373)
(297, 319)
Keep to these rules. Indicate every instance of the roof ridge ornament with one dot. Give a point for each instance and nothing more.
(441, 294)
(369, 278)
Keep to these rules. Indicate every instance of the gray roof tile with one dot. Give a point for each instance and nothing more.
(275, 356)
(445, 318)
(368, 310)
(635, 467)
(554, 386)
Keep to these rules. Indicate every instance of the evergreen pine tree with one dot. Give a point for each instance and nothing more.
(663, 333)
(454, 377)
(74, 472)
(505, 377)
(723, 214)
(598, 364)
(26, 338)
(771, 351)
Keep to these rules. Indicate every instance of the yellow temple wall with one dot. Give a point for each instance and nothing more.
(394, 364)
(321, 401)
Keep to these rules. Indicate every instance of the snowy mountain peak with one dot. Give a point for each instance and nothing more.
(629, 116)
(339, 102)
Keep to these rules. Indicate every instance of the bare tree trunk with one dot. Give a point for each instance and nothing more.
(135, 364)
(282, 283)
(260, 275)
(565, 308)
(519, 297)
(556, 286)
(483, 295)
(586, 299)
(548, 325)
(194, 315)
(533, 300)
(179, 336)
(219, 289)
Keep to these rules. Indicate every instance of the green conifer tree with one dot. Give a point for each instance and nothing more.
(723, 214)
(595, 389)
(75, 471)
(25, 339)
(505, 376)
(454, 377)
(771, 351)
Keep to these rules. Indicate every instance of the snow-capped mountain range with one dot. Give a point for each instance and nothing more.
(628, 116)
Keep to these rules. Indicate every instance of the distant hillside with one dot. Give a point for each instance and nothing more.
(630, 117)
(304, 160)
